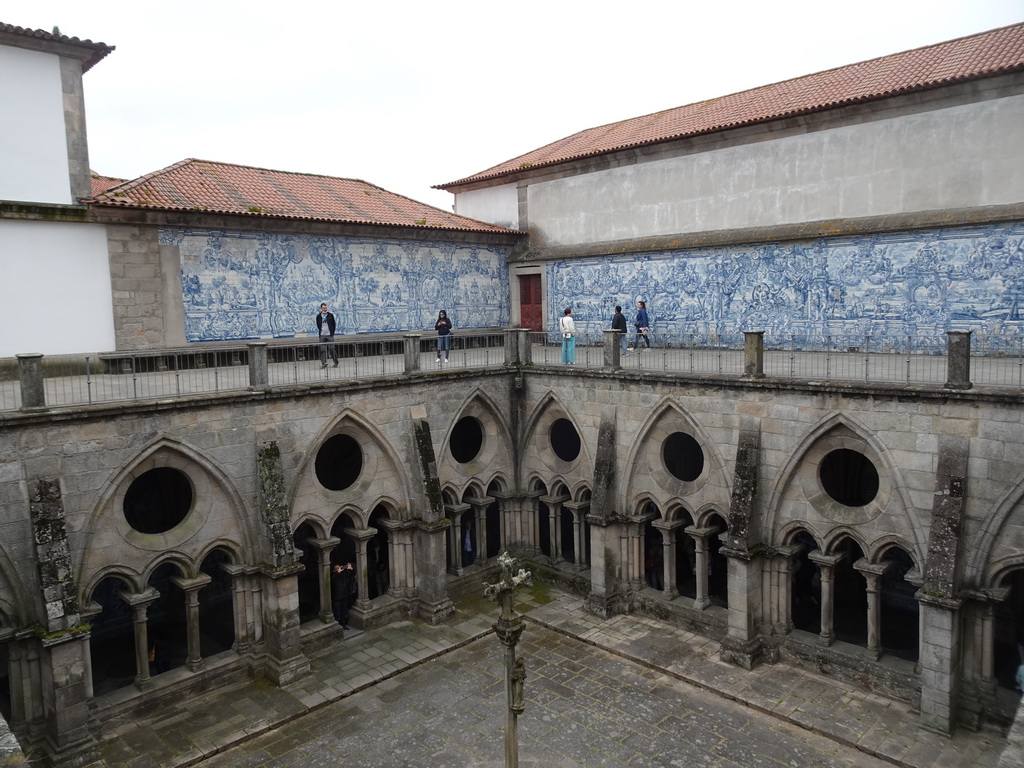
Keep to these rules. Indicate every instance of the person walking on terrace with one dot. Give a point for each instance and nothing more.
(619, 324)
(443, 326)
(325, 326)
(568, 328)
(642, 323)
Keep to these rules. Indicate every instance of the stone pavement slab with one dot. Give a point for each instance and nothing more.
(627, 690)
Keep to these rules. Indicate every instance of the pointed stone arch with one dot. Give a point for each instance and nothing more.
(649, 473)
(797, 487)
(382, 471)
(538, 454)
(216, 505)
(997, 546)
(495, 451)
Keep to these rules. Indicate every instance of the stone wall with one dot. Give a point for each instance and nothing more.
(624, 422)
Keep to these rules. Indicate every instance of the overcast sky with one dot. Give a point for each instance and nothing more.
(406, 95)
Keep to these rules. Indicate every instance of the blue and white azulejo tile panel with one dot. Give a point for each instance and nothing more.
(913, 284)
(252, 285)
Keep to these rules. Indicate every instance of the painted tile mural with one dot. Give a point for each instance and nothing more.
(908, 285)
(249, 285)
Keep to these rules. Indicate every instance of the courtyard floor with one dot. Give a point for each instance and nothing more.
(624, 691)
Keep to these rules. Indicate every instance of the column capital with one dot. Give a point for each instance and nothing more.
(198, 582)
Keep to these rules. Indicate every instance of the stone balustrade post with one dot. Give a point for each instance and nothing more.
(612, 349)
(30, 374)
(259, 377)
(517, 346)
(411, 351)
(753, 354)
(958, 360)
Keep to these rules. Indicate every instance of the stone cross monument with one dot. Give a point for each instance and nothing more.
(508, 628)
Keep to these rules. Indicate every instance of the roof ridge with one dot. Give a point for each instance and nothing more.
(897, 83)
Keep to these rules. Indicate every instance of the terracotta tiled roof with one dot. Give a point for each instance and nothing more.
(98, 50)
(103, 183)
(989, 53)
(199, 185)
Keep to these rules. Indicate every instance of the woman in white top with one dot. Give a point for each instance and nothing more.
(568, 327)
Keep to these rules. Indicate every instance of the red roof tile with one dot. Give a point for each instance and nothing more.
(103, 183)
(989, 53)
(98, 50)
(199, 185)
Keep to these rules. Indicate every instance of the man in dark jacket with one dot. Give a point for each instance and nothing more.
(325, 327)
(343, 588)
(619, 324)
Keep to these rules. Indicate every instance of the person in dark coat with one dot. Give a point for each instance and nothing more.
(619, 324)
(325, 326)
(642, 323)
(343, 588)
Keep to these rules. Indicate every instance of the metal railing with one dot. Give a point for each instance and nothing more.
(32, 381)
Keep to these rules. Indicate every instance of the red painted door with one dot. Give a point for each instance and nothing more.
(530, 303)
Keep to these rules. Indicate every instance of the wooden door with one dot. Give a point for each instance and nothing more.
(530, 303)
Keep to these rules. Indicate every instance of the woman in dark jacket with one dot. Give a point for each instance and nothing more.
(642, 323)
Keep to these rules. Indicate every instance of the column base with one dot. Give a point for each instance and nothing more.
(742, 653)
(283, 672)
(434, 613)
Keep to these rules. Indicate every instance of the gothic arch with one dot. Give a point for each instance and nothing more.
(648, 471)
(216, 502)
(987, 565)
(891, 509)
(789, 532)
(703, 515)
(313, 522)
(383, 469)
(225, 545)
(538, 454)
(186, 568)
(496, 448)
(878, 548)
(836, 535)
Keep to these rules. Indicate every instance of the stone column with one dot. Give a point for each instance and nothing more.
(940, 655)
(480, 505)
(511, 520)
(530, 512)
(411, 351)
(872, 573)
(612, 349)
(958, 360)
(605, 564)
(554, 525)
(455, 513)
(323, 548)
(701, 599)
(432, 602)
(259, 375)
(668, 542)
(30, 375)
(742, 644)
(361, 538)
(240, 607)
(191, 588)
(753, 354)
(579, 517)
(826, 565)
(782, 588)
(139, 603)
(284, 660)
(65, 705)
(399, 567)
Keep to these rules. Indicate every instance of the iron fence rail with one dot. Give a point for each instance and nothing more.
(70, 380)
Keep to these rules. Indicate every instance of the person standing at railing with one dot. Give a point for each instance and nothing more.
(643, 324)
(619, 324)
(443, 326)
(325, 326)
(568, 326)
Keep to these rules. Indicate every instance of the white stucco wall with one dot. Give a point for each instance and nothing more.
(964, 156)
(495, 205)
(55, 295)
(33, 142)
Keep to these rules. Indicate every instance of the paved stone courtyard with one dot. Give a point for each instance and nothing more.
(586, 707)
(624, 691)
